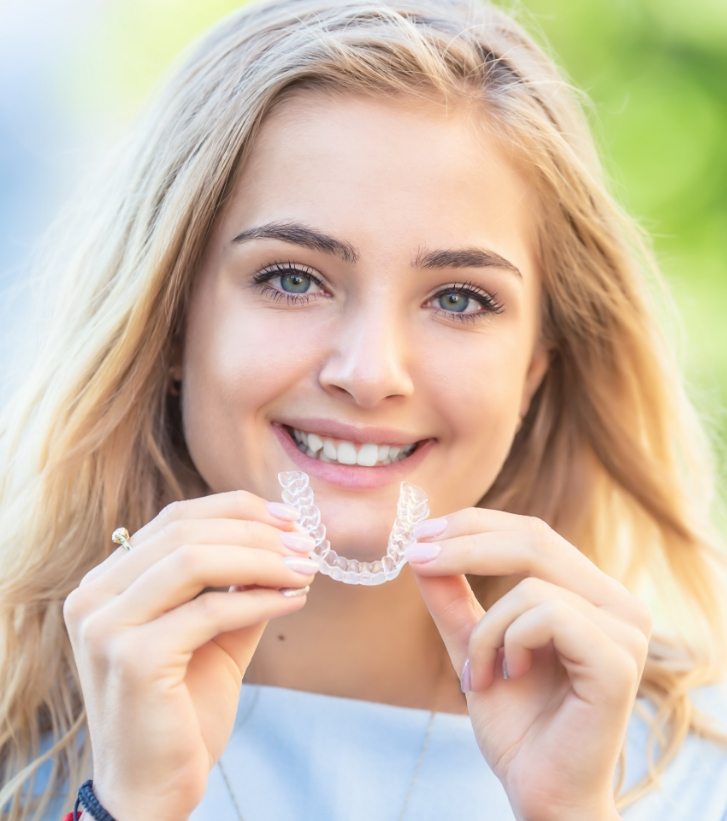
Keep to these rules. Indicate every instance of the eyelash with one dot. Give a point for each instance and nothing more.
(486, 300)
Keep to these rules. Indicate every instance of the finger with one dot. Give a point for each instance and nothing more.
(113, 577)
(495, 543)
(235, 504)
(188, 570)
(599, 669)
(488, 637)
(179, 632)
(455, 611)
(486, 543)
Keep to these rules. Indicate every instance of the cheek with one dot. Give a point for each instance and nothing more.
(485, 413)
(480, 375)
(480, 406)
(238, 359)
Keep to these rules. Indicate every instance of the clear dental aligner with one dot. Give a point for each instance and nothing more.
(412, 507)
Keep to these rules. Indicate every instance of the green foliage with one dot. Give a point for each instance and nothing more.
(656, 73)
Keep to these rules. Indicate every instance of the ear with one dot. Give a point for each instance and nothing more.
(175, 369)
(535, 374)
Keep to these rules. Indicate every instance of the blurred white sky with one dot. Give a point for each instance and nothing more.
(72, 75)
(42, 143)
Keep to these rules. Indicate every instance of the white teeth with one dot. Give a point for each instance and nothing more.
(367, 455)
(348, 453)
(315, 443)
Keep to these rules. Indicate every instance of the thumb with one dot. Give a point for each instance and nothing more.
(454, 609)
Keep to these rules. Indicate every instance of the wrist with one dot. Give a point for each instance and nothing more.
(101, 803)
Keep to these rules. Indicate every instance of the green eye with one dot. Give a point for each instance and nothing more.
(295, 282)
(466, 302)
(456, 302)
(284, 281)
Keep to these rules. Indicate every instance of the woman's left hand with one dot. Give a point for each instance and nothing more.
(574, 641)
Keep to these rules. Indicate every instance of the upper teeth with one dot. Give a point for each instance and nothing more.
(348, 453)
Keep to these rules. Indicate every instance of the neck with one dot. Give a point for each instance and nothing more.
(371, 643)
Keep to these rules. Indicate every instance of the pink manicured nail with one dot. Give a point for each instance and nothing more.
(305, 566)
(297, 542)
(418, 552)
(465, 680)
(429, 528)
(294, 592)
(284, 512)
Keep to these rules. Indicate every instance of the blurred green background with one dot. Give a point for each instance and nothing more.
(656, 74)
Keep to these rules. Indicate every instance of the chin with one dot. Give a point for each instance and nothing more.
(364, 541)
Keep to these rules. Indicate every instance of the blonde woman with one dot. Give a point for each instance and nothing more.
(370, 242)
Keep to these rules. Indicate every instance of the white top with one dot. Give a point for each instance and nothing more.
(297, 756)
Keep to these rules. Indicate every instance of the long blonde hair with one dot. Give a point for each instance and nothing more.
(611, 453)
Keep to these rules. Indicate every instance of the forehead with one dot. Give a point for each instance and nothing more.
(362, 167)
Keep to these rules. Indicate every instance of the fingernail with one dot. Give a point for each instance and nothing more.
(429, 528)
(297, 542)
(505, 672)
(304, 566)
(294, 592)
(417, 552)
(284, 512)
(465, 680)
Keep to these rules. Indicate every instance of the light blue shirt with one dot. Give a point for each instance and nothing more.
(297, 756)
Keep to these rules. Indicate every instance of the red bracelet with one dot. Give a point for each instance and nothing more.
(69, 816)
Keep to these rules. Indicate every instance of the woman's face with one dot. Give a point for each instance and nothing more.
(370, 283)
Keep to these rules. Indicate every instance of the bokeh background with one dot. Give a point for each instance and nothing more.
(73, 74)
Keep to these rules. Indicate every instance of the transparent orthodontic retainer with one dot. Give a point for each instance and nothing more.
(412, 507)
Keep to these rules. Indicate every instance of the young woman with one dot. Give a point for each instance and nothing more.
(370, 242)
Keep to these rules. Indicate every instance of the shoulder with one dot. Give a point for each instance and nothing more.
(694, 782)
(711, 702)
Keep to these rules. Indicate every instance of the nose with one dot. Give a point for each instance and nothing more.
(369, 358)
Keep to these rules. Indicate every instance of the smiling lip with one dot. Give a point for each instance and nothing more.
(351, 476)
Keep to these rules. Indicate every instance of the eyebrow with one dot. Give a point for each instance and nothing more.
(464, 258)
(298, 234)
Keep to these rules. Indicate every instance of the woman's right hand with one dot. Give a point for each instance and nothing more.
(161, 662)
